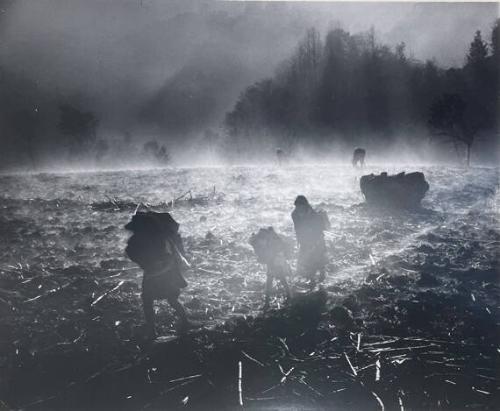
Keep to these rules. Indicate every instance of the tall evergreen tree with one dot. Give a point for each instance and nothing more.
(478, 50)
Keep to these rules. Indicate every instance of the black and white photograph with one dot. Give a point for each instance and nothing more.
(263, 205)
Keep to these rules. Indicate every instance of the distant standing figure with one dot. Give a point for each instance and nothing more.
(280, 155)
(157, 248)
(358, 157)
(309, 227)
(272, 250)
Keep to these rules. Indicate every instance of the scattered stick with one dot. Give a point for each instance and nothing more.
(409, 271)
(115, 275)
(31, 279)
(175, 387)
(302, 381)
(372, 259)
(252, 359)
(240, 391)
(137, 208)
(401, 407)
(285, 374)
(208, 271)
(481, 391)
(181, 197)
(350, 365)
(382, 407)
(381, 342)
(401, 349)
(54, 290)
(186, 378)
(377, 370)
(106, 293)
(271, 388)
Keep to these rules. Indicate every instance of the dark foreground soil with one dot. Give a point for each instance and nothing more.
(398, 341)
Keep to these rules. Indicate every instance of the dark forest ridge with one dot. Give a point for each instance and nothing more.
(90, 82)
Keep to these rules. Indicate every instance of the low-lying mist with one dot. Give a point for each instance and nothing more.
(334, 154)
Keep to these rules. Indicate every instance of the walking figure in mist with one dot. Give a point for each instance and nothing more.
(272, 250)
(157, 248)
(358, 157)
(309, 227)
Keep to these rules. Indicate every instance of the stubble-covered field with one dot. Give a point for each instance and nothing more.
(421, 288)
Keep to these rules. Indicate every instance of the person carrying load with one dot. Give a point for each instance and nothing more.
(157, 248)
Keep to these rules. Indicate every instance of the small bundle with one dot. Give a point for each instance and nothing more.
(268, 245)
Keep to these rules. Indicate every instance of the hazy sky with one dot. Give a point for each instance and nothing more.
(120, 52)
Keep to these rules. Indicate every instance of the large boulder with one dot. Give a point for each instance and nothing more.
(397, 191)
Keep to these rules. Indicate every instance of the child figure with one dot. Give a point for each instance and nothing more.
(309, 227)
(156, 247)
(274, 252)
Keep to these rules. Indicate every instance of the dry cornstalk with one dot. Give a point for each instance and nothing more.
(251, 358)
(186, 378)
(240, 376)
(285, 374)
(107, 292)
(382, 407)
(350, 365)
(401, 406)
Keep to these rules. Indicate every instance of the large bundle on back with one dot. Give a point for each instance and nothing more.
(397, 191)
(155, 237)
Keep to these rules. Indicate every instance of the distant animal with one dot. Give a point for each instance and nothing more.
(358, 157)
(157, 248)
(272, 250)
(281, 156)
(309, 226)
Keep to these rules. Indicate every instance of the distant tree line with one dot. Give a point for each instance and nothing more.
(36, 128)
(347, 85)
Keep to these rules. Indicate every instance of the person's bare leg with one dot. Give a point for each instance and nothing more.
(322, 275)
(286, 287)
(149, 314)
(312, 281)
(179, 309)
(269, 287)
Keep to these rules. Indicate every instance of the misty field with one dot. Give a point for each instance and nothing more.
(422, 288)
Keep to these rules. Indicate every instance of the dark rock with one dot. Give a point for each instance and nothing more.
(308, 308)
(341, 317)
(428, 280)
(398, 191)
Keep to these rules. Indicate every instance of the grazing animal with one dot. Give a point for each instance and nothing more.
(157, 248)
(358, 157)
(309, 227)
(280, 155)
(272, 250)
